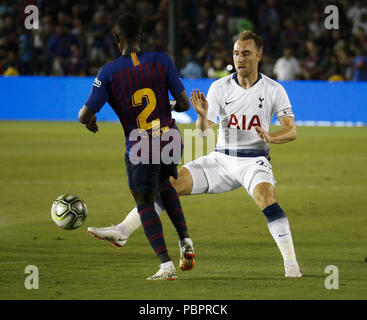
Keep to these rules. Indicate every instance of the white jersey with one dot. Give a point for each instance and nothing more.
(241, 110)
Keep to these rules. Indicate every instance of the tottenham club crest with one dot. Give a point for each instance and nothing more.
(261, 102)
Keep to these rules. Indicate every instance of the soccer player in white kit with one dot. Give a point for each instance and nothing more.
(245, 103)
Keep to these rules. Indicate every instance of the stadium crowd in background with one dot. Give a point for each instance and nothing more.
(75, 37)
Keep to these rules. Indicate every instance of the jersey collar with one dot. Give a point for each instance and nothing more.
(234, 77)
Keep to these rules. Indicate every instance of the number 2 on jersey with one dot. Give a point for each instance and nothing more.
(151, 101)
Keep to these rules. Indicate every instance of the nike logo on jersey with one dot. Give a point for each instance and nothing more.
(228, 102)
(234, 123)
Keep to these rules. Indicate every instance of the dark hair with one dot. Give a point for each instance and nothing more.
(129, 26)
(249, 35)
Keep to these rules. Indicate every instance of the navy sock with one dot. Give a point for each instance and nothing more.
(153, 230)
(274, 212)
(172, 204)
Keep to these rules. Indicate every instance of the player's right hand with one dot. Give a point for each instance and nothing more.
(263, 134)
(199, 102)
(92, 125)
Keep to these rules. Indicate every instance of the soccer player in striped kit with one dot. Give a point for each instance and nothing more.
(136, 87)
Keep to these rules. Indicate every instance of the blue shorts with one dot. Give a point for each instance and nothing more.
(148, 177)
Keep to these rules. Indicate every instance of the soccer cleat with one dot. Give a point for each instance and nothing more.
(187, 256)
(111, 234)
(165, 273)
(292, 270)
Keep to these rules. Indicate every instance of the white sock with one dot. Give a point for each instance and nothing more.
(281, 233)
(132, 220)
(186, 240)
(167, 265)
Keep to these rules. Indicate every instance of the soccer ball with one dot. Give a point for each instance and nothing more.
(68, 211)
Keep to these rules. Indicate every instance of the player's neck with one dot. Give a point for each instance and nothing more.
(130, 49)
(248, 81)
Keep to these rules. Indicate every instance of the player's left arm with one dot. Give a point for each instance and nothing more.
(283, 111)
(181, 102)
(287, 132)
(88, 118)
(176, 87)
(97, 98)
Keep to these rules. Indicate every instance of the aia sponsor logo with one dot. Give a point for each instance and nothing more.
(241, 124)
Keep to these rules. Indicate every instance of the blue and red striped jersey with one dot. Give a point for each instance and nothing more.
(136, 87)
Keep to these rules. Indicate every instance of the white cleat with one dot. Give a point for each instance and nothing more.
(111, 234)
(187, 255)
(292, 270)
(167, 271)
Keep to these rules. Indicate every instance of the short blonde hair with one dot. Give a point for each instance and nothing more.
(249, 35)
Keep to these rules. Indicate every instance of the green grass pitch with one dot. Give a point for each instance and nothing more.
(321, 185)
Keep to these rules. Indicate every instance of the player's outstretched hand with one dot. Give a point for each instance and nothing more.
(199, 102)
(92, 125)
(263, 134)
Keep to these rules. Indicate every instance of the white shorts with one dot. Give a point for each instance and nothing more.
(218, 172)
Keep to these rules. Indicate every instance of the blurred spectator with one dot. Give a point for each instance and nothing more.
(271, 38)
(218, 68)
(311, 68)
(213, 50)
(64, 6)
(203, 25)
(59, 48)
(145, 9)
(8, 33)
(268, 14)
(287, 67)
(361, 38)
(316, 25)
(7, 8)
(96, 35)
(191, 69)
(267, 66)
(187, 32)
(358, 15)
(291, 36)
(60, 44)
(159, 39)
(336, 77)
(111, 6)
(11, 71)
(220, 27)
(362, 24)
(236, 11)
(244, 24)
(75, 65)
(360, 65)
(10, 68)
(335, 72)
(77, 28)
(343, 60)
(26, 54)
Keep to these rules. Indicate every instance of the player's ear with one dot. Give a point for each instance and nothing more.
(116, 37)
(260, 56)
